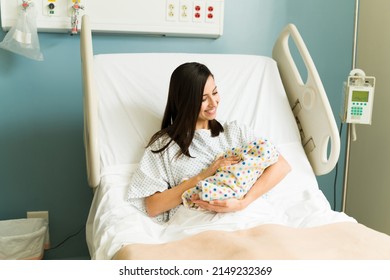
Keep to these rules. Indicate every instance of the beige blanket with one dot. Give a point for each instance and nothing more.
(344, 240)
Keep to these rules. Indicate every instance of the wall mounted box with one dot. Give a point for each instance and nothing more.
(187, 18)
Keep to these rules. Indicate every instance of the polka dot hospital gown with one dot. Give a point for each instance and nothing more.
(160, 171)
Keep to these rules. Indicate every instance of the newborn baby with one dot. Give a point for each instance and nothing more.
(235, 181)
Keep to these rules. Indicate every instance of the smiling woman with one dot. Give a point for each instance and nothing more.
(184, 152)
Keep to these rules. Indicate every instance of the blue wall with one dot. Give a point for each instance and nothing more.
(42, 164)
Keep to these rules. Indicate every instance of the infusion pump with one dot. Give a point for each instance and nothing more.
(358, 98)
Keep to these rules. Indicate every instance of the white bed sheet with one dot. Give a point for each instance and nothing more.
(131, 105)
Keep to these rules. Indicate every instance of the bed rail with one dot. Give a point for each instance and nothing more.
(90, 104)
(309, 103)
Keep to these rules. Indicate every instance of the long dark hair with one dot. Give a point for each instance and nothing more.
(185, 97)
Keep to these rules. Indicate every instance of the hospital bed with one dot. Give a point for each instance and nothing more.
(124, 99)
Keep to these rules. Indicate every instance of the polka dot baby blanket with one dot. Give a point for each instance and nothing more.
(234, 181)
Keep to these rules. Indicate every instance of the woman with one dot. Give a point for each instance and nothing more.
(183, 152)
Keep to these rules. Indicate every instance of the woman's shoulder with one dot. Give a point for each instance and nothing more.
(158, 141)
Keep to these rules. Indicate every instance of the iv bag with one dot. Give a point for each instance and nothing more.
(22, 38)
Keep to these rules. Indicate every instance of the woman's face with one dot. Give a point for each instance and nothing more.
(208, 110)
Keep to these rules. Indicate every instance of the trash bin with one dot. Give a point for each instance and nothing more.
(22, 239)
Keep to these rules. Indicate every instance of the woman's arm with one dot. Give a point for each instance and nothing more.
(269, 179)
(161, 202)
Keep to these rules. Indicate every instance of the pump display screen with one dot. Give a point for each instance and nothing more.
(359, 96)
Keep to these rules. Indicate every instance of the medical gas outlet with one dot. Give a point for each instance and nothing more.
(192, 11)
(53, 8)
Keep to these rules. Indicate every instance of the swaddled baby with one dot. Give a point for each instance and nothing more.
(234, 181)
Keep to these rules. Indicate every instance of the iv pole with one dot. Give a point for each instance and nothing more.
(350, 127)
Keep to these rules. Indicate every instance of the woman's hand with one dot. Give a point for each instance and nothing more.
(219, 162)
(220, 206)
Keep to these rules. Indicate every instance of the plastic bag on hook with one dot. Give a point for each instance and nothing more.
(22, 38)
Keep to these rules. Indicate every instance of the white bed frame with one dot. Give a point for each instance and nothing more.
(308, 100)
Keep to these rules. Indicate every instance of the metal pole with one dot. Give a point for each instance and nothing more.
(349, 127)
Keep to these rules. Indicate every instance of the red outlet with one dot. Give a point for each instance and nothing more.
(198, 12)
(210, 16)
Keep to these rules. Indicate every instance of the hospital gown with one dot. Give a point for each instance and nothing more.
(158, 172)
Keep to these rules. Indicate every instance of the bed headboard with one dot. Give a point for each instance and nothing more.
(308, 101)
